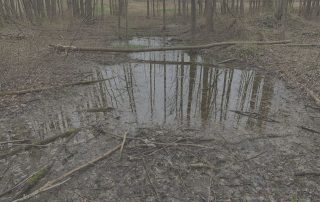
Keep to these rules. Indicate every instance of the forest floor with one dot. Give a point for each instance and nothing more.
(272, 157)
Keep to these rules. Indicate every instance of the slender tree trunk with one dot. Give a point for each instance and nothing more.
(20, 9)
(102, 8)
(153, 8)
(184, 8)
(193, 18)
(209, 14)
(284, 18)
(2, 13)
(13, 9)
(148, 9)
(54, 8)
(241, 7)
(119, 17)
(164, 14)
(267, 5)
(126, 5)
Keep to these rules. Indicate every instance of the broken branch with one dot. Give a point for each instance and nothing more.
(40, 142)
(60, 180)
(122, 144)
(52, 87)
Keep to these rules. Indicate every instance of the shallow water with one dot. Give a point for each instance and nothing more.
(178, 88)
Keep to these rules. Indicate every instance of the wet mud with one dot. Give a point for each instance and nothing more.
(204, 132)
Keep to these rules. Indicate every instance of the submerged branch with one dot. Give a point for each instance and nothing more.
(157, 62)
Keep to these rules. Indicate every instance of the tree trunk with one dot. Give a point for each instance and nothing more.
(209, 14)
(193, 18)
(148, 9)
(102, 8)
(242, 8)
(267, 5)
(164, 14)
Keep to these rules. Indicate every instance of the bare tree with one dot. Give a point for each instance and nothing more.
(193, 18)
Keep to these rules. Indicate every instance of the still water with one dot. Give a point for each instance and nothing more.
(178, 88)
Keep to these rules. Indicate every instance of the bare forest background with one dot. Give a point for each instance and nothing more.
(38, 11)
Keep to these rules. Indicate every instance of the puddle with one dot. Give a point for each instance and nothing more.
(176, 88)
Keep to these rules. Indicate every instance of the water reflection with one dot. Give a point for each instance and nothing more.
(174, 87)
(184, 93)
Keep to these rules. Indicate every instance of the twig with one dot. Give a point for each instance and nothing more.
(32, 145)
(175, 143)
(253, 157)
(308, 129)
(254, 116)
(84, 165)
(149, 179)
(123, 143)
(13, 141)
(182, 144)
(303, 174)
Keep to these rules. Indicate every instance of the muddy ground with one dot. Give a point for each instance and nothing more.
(196, 130)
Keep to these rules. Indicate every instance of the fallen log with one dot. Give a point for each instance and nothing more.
(61, 48)
(36, 90)
(157, 62)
